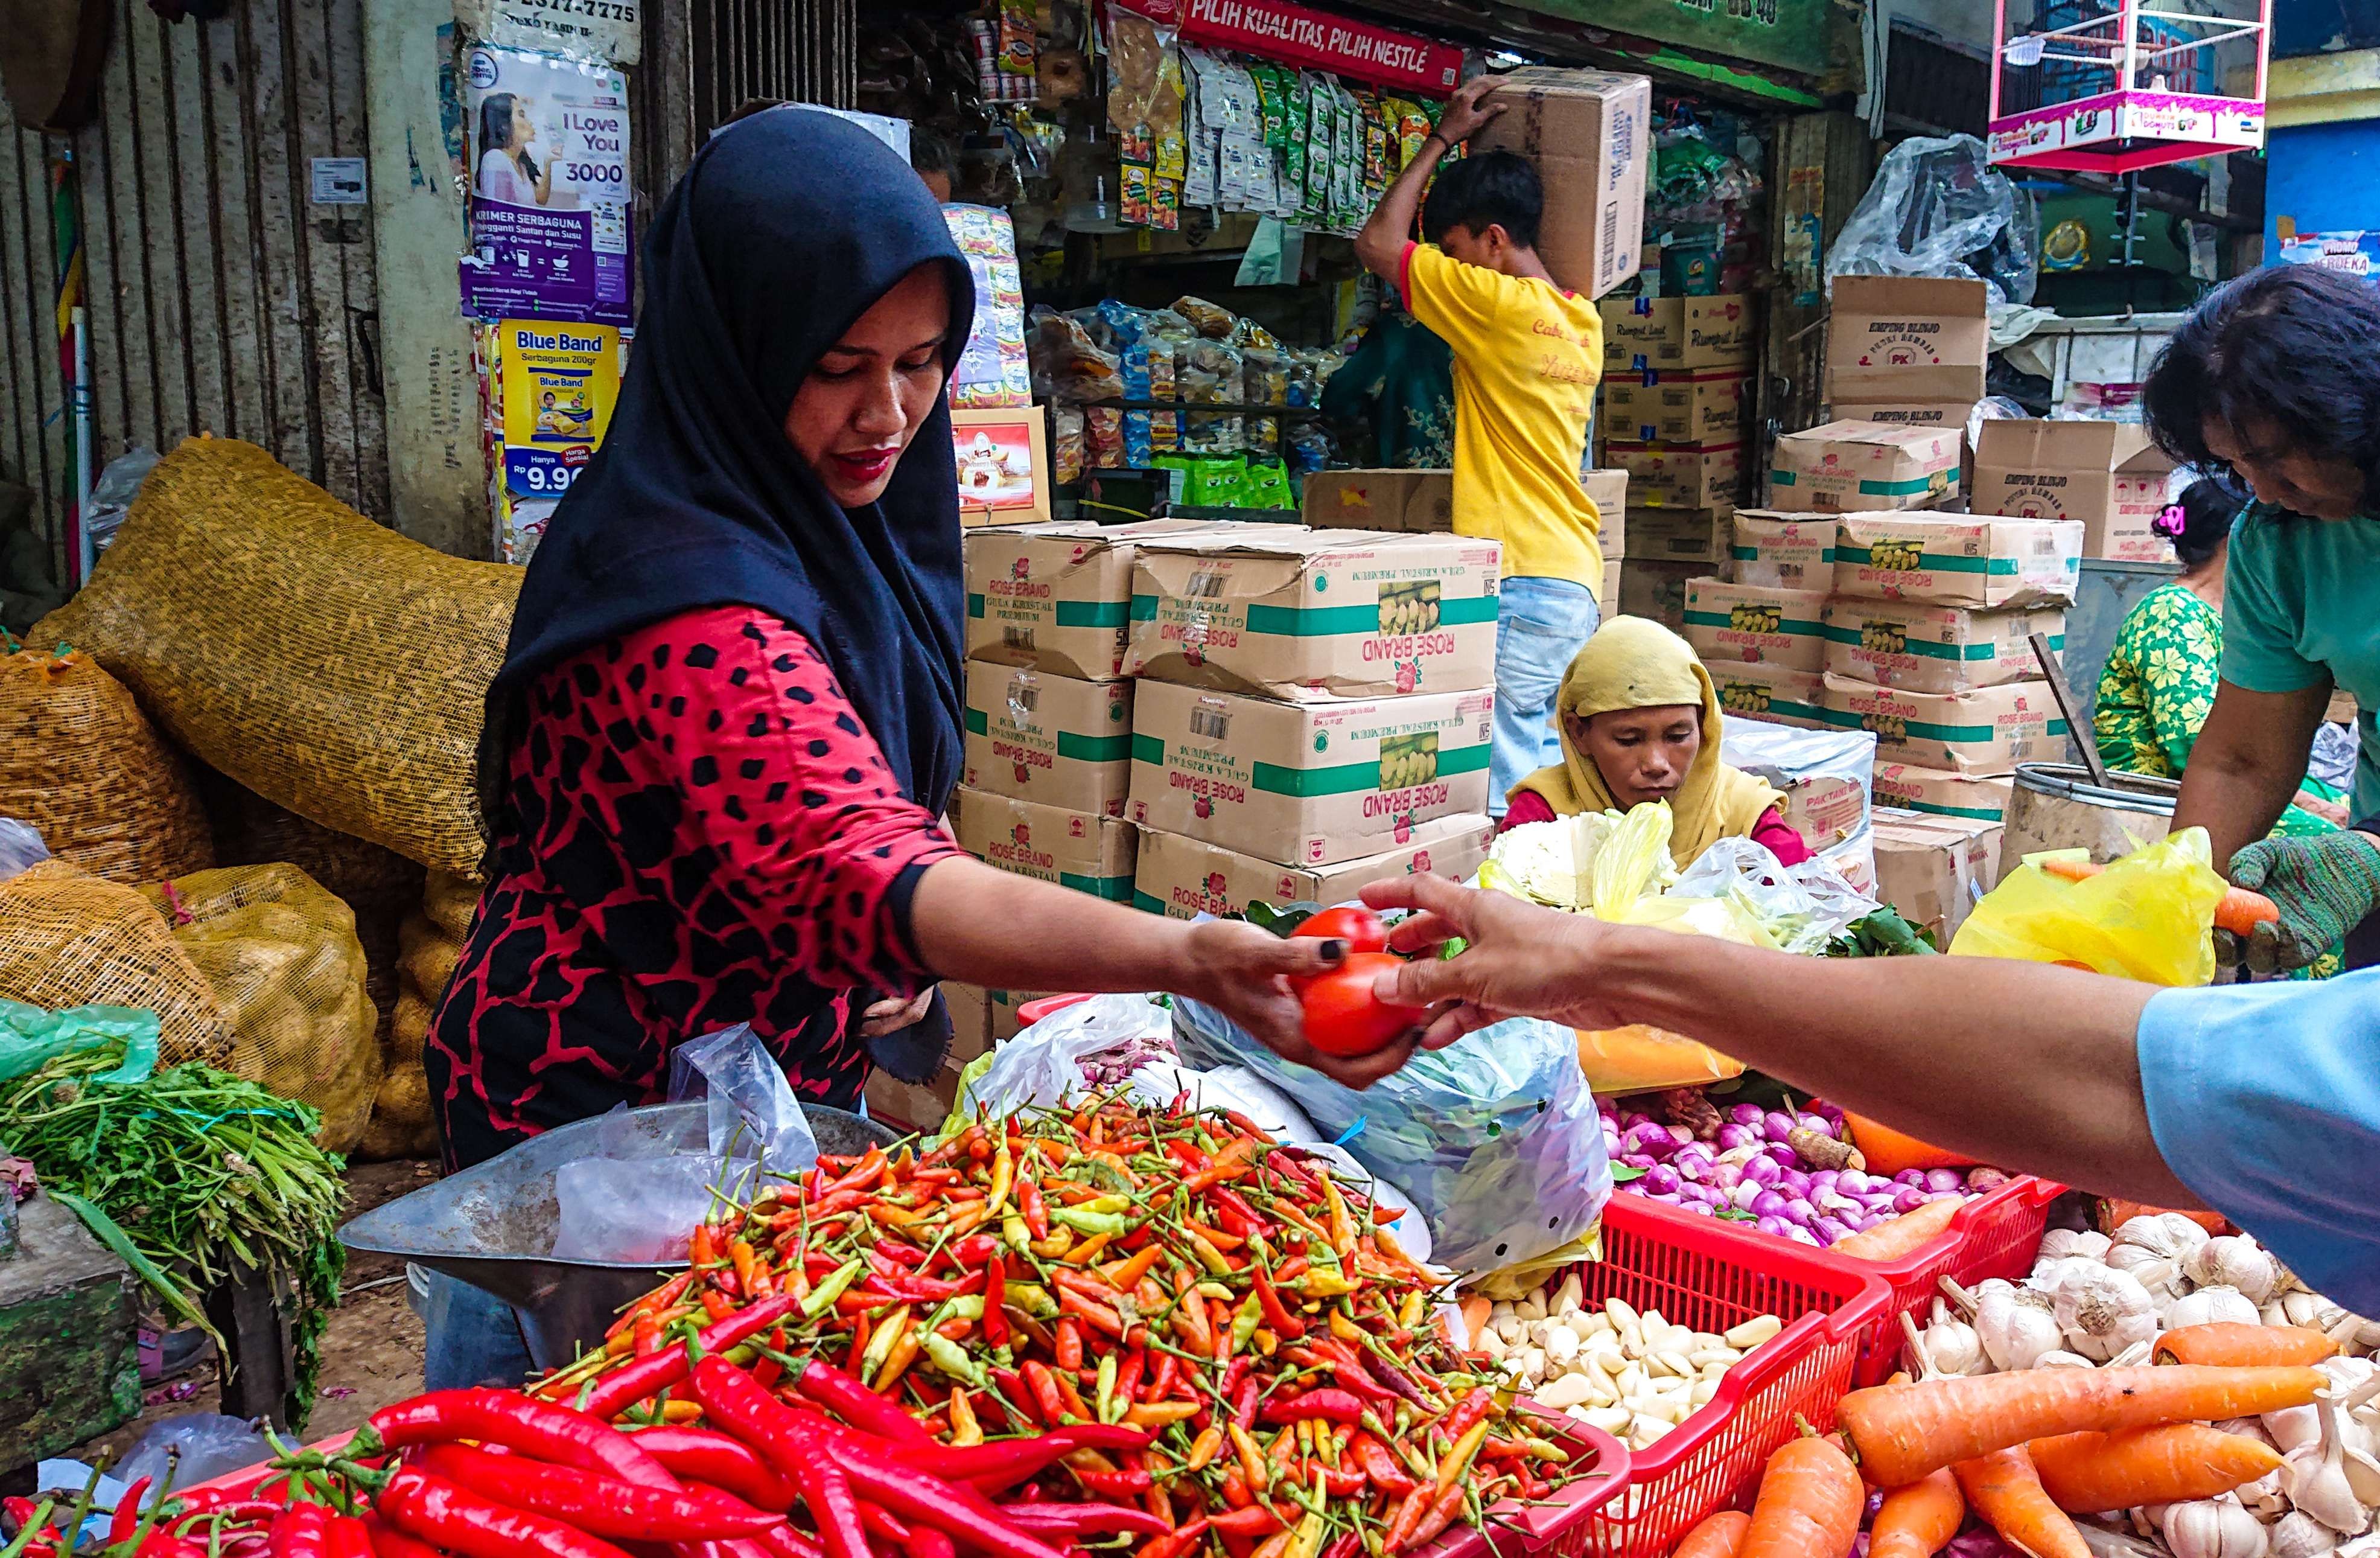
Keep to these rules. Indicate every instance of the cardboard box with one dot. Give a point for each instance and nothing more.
(909, 1104)
(1607, 490)
(1310, 783)
(1607, 597)
(970, 1012)
(1932, 869)
(1677, 335)
(1679, 475)
(1945, 416)
(1896, 339)
(1056, 740)
(1285, 611)
(1003, 458)
(1860, 467)
(1083, 850)
(1785, 550)
(1988, 730)
(1186, 877)
(1955, 560)
(1683, 535)
(1779, 694)
(1054, 597)
(1653, 406)
(1926, 648)
(1657, 590)
(1824, 809)
(2108, 475)
(1590, 135)
(1756, 622)
(1368, 500)
(1979, 797)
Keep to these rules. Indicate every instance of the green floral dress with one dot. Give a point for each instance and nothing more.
(2159, 687)
(1401, 384)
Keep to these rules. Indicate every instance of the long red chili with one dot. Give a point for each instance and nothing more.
(387, 1542)
(1331, 1406)
(995, 1293)
(927, 1542)
(302, 1530)
(350, 1537)
(737, 1400)
(601, 1506)
(859, 1406)
(475, 1526)
(720, 1460)
(1177, 1542)
(781, 1541)
(1380, 1466)
(623, 1387)
(1287, 1326)
(127, 1519)
(518, 1422)
(884, 1525)
(1048, 1518)
(1470, 1410)
(1002, 1463)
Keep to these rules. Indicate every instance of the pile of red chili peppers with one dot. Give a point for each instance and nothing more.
(1095, 1329)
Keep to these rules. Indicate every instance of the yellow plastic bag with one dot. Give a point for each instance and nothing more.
(2148, 917)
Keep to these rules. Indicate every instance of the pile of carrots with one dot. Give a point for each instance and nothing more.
(2023, 1452)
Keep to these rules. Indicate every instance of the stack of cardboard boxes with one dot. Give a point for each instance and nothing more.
(1422, 502)
(2109, 477)
(1676, 396)
(1908, 351)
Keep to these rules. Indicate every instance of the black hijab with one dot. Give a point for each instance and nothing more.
(787, 227)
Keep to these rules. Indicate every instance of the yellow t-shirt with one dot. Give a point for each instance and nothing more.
(1527, 359)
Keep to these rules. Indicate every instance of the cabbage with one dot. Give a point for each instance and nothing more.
(1550, 863)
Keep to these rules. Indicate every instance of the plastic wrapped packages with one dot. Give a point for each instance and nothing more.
(1938, 208)
(1211, 319)
(1068, 363)
(1494, 1139)
(1787, 755)
(1043, 1063)
(1066, 443)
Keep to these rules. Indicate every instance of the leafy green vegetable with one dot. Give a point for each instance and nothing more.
(1280, 922)
(1883, 934)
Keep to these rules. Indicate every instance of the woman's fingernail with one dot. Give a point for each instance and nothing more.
(1333, 950)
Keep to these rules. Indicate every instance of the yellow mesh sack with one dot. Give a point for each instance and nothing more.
(400, 1124)
(321, 660)
(283, 957)
(68, 939)
(429, 945)
(80, 763)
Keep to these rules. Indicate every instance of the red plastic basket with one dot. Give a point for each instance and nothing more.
(1033, 1010)
(1994, 1235)
(1706, 1274)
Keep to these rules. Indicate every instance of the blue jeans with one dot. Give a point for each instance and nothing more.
(1540, 624)
(473, 1338)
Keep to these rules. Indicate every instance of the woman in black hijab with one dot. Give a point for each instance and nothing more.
(727, 723)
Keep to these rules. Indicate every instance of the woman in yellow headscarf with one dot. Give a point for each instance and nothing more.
(1640, 722)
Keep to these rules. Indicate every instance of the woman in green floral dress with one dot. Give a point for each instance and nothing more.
(2159, 681)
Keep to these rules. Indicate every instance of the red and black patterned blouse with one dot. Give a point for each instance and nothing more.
(700, 833)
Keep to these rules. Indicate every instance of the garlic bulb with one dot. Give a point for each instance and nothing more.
(2359, 1452)
(2300, 1535)
(2303, 1308)
(2236, 1262)
(2161, 1275)
(2060, 1243)
(1952, 1347)
(2212, 1528)
(2016, 1326)
(2316, 1479)
(2168, 1235)
(2293, 1428)
(2049, 1270)
(2102, 1311)
(2209, 1305)
(2061, 1358)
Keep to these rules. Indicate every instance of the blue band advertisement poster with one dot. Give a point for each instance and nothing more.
(549, 201)
(553, 387)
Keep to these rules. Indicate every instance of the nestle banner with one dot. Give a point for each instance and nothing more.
(1294, 34)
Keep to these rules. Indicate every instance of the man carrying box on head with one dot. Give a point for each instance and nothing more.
(1526, 358)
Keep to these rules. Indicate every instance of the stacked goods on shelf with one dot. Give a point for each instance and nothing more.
(1677, 385)
(1313, 710)
(1909, 351)
(2109, 476)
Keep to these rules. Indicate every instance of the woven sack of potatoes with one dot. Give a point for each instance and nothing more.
(80, 763)
(282, 956)
(70, 939)
(429, 945)
(322, 661)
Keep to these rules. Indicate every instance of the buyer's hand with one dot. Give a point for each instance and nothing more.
(1518, 960)
(1244, 972)
(892, 1013)
(2323, 886)
(1464, 117)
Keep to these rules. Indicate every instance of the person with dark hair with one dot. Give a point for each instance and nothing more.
(2160, 679)
(2275, 380)
(935, 161)
(1526, 358)
(508, 174)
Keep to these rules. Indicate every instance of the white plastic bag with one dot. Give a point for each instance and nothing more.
(1788, 756)
(1043, 1063)
(20, 846)
(754, 1113)
(1936, 207)
(630, 1210)
(1804, 908)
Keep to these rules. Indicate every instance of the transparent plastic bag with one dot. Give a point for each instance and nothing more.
(111, 495)
(201, 1446)
(1634, 882)
(20, 846)
(2149, 916)
(1788, 757)
(1938, 208)
(1044, 1063)
(629, 1209)
(31, 1037)
(1802, 908)
(754, 1113)
(1494, 1140)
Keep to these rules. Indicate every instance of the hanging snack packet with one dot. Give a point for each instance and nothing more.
(1295, 104)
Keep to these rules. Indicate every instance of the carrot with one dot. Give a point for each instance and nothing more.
(1474, 1315)
(2010, 1498)
(1895, 1237)
(2236, 1345)
(1809, 1506)
(2239, 912)
(1720, 1535)
(1919, 1520)
(2092, 1473)
(1900, 1433)
(1888, 1151)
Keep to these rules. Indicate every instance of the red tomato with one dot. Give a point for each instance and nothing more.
(1343, 1018)
(1361, 929)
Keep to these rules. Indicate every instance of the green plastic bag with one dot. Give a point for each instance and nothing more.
(2148, 917)
(31, 1037)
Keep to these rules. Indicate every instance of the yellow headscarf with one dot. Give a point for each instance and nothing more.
(1634, 664)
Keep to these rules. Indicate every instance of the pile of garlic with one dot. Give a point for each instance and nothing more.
(2092, 1300)
(1633, 1375)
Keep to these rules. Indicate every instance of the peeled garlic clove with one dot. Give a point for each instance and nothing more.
(1570, 1389)
(1560, 1343)
(1530, 1308)
(1752, 1333)
(1568, 1294)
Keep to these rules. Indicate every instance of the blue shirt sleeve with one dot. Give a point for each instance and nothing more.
(2264, 1100)
(2263, 605)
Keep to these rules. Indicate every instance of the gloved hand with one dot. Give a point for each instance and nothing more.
(2323, 886)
